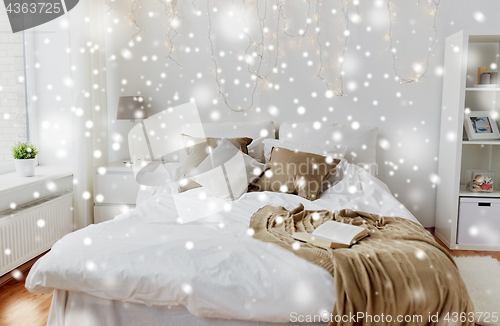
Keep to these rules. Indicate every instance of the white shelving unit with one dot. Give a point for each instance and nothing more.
(481, 142)
(464, 53)
(474, 89)
(465, 193)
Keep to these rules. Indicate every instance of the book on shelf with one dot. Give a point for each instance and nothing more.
(333, 234)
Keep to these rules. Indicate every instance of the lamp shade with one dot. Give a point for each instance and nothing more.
(131, 108)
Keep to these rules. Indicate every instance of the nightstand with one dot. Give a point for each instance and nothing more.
(115, 190)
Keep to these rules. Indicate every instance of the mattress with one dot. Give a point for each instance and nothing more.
(212, 267)
(71, 308)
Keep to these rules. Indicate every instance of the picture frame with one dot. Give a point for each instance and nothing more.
(481, 125)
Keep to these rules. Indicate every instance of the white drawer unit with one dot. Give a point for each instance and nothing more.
(479, 221)
(115, 190)
(105, 213)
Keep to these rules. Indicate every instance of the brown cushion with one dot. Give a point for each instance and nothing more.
(198, 149)
(296, 172)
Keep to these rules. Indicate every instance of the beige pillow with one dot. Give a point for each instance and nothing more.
(199, 148)
(295, 172)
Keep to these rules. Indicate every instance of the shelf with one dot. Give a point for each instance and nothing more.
(465, 193)
(481, 142)
(477, 89)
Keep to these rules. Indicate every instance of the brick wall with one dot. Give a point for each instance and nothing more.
(12, 92)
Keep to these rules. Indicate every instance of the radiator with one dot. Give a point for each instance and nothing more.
(33, 228)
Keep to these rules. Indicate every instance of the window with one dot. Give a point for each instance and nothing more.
(14, 120)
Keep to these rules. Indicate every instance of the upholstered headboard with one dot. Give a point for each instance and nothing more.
(361, 141)
(253, 130)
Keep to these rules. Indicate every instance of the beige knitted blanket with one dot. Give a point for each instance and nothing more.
(399, 271)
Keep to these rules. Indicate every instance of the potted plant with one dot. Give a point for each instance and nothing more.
(24, 155)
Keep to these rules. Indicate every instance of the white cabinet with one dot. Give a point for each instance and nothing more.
(464, 53)
(115, 190)
(104, 213)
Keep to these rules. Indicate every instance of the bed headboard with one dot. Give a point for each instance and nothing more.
(361, 141)
(253, 130)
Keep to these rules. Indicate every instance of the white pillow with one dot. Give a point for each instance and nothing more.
(361, 142)
(256, 149)
(224, 152)
(227, 171)
(334, 151)
(174, 170)
(258, 131)
(227, 183)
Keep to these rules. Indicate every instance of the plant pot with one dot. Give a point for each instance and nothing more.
(25, 168)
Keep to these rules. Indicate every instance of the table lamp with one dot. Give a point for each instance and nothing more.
(131, 108)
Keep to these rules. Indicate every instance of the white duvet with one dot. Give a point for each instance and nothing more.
(212, 266)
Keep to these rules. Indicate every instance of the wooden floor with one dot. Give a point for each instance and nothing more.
(18, 307)
(465, 253)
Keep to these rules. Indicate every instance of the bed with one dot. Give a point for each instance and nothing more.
(144, 268)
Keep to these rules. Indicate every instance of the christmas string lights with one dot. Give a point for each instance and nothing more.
(258, 47)
(173, 18)
(320, 51)
(303, 32)
(278, 19)
(131, 15)
(110, 7)
(219, 87)
(393, 50)
(261, 45)
(356, 3)
(345, 12)
(346, 37)
(263, 52)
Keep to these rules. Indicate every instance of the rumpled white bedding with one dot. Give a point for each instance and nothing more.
(212, 266)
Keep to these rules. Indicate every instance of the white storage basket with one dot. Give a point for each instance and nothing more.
(479, 221)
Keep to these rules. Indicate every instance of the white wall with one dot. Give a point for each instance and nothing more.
(407, 115)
